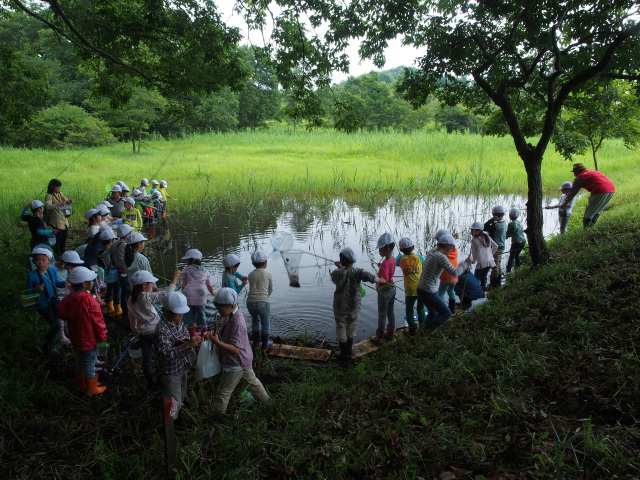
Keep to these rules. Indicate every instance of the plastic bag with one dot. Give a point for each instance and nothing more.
(208, 360)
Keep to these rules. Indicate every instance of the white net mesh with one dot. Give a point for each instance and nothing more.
(292, 264)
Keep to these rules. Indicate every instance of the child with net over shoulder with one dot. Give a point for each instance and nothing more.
(347, 299)
(236, 355)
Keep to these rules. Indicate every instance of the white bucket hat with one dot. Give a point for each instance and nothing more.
(230, 260)
(514, 212)
(565, 185)
(447, 239)
(193, 253)
(154, 182)
(405, 242)
(136, 237)
(81, 274)
(144, 182)
(497, 210)
(102, 209)
(117, 188)
(440, 233)
(107, 234)
(349, 254)
(477, 226)
(124, 230)
(384, 240)
(130, 200)
(72, 257)
(42, 251)
(163, 183)
(35, 204)
(258, 257)
(226, 296)
(175, 302)
(143, 276)
(90, 213)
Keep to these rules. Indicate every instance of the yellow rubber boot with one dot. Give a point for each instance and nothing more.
(110, 309)
(118, 310)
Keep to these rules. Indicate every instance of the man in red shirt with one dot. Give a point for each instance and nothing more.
(601, 188)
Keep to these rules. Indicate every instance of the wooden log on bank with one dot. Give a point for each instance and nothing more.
(300, 353)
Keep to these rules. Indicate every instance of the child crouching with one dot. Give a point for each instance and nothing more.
(86, 327)
(236, 355)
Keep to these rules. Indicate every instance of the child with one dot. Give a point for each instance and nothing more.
(196, 280)
(468, 289)
(94, 218)
(448, 281)
(518, 240)
(145, 205)
(347, 298)
(86, 328)
(236, 355)
(156, 199)
(131, 215)
(483, 249)
(103, 210)
(387, 290)
(163, 190)
(231, 275)
(39, 232)
(55, 214)
(111, 275)
(154, 187)
(261, 287)
(434, 262)
(44, 280)
(117, 254)
(496, 227)
(117, 202)
(172, 344)
(411, 266)
(134, 260)
(144, 183)
(143, 317)
(564, 214)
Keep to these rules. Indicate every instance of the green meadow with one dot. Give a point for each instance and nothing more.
(210, 170)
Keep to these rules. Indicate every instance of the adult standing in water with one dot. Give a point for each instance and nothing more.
(55, 214)
(601, 188)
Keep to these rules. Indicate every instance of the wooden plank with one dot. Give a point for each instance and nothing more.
(306, 353)
(366, 347)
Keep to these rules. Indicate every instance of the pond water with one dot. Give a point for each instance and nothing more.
(320, 228)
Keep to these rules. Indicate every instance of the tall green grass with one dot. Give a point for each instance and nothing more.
(206, 171)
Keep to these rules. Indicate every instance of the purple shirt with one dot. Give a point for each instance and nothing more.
(234, 331)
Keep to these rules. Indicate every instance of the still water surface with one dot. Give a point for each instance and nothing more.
(322, 228)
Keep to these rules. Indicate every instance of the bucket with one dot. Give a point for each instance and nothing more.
(102, 349)
(135, 351)
(28, 299)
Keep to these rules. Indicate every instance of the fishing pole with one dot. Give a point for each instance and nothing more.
(123, 353)
(373, 288)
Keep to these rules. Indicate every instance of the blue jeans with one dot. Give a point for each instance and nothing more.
(146, 343)
(386, 302)
(450, 289)
(113, 292)
(86, 363)
(438, 310)
(260, 314)
(124, 293)
(196, 314)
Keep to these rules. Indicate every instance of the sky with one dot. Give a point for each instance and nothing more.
(396, 54)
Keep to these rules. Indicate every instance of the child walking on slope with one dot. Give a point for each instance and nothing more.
(347, 298)
(518, 240)
(196, 281)
(387, 290)
(434, 262)
(231, 278)
(496, 227)
(261, 287)
(483, 249)
(411, 266)
(447, 281)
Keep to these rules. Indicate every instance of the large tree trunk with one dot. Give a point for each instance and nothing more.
(537, 245)
(133, 138)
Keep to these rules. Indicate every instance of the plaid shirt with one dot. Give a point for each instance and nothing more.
(169, 338)
(515, 230)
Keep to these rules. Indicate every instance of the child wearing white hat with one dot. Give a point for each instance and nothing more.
(39, 232)
(564, 214)
(172, 344)
(260, 289)
(496, 227)
(86, 328)
(448, 281)
(236, 356)
(231, 278)
(44, 280)
(411, 266)
(134, 260)
(515, 231)
(143, 317)
(387, 290)
(196, 281)
(144, 183)
(117, 254)
(131, 215)
(163, 190)
(483, 249)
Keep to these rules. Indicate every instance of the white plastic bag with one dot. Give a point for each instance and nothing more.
(208, 360)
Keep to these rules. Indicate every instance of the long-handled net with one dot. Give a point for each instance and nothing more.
(292, 264)
(281, 241)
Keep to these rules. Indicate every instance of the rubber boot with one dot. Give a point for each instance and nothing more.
(61, 336)
(110, 309)
(266, 342)
(93, 388)
(388, 334)
(484, 290)
(256, 339)
(378, 336)
(117, 310)
(452, 305)
(349, 348)
(81, 383)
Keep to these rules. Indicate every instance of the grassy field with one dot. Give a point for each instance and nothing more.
(210, 170)
(542, 383)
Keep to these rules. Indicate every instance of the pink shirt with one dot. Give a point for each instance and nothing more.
(387, 269)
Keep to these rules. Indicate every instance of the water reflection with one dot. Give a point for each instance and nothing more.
(321, 228)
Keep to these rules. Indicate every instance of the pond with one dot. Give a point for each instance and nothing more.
(321, 229)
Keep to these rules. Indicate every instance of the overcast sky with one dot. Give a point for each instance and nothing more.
(396, 55)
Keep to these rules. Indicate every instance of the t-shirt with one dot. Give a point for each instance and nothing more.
(260, 285)
(387, 269)
(515, 230)
(411, 266)
(195, 280)
(434, 263)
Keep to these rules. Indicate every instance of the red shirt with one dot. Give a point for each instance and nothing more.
(596, 183)
(84, 320)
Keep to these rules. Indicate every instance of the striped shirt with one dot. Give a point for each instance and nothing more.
(434, 263)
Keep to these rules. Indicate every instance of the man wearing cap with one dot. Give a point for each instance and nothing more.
(172, 344)
(600, 187)
(86, 327)
(116, 201)
(37, 227)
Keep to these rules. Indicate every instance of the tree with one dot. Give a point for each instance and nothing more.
(455, 119)
(523, 57)
(179, 47)
(591, 116)
(260, 99)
